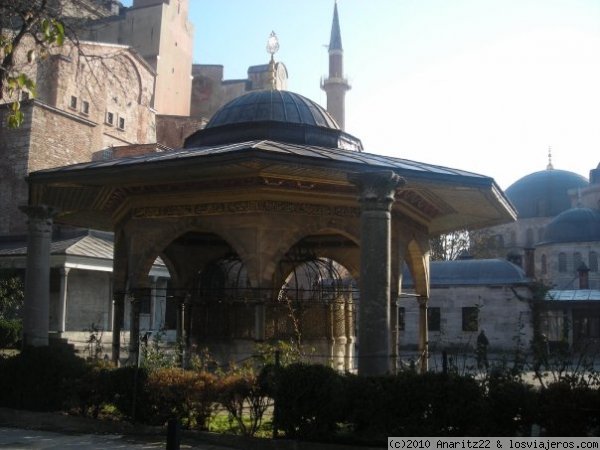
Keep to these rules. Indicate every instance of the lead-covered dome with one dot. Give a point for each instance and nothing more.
(574, 225)
(544, 193)
(273, 105)
(273, 115)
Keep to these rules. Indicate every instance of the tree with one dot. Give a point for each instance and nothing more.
(12, 295)
(448, 247)
(28, 29)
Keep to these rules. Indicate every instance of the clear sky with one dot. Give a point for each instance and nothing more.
(480, 85)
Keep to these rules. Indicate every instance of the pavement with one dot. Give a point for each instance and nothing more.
(19, 438)
(21, 429)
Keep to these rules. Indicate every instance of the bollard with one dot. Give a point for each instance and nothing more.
(173, 434)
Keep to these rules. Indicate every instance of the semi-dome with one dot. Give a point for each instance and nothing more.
(275, 115)
(574, 225)
(544, 193)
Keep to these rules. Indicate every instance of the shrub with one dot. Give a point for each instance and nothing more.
(567, 410)
(10, 332)
(243, 391)
(187, 395)
(309, 400)
(410, 404)
(511, 406)
(40, 379)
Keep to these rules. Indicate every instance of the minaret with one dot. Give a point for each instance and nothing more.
(336, 85)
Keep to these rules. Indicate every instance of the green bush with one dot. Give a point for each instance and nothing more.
(410, 404)
(512, 406)
(566, 410)
(309, 401)
(10, 332)
(40, 379)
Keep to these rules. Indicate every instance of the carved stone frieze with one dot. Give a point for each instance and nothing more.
(241, 207)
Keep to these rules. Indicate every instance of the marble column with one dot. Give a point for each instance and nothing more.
(62, 301)
(377, 190)
(37, 276)
(423, 335)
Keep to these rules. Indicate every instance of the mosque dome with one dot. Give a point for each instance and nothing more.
(574, 225)
(544, 193)
(274, 115)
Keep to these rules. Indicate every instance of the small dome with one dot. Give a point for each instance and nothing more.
(273, 115)
(273, 105)
(544, 193)
(574, 225)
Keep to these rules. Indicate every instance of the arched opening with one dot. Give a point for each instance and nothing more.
(316, 302)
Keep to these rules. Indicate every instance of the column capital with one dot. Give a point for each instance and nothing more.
(39, 217)
(377, 189)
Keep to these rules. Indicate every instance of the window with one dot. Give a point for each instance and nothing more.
(529, 237)
(433, 319)
(499, 241)
(470, 318)
(110, 118)
(73, 103)
(85, 107)
(593, 262)
(562, 262)
(544, 265)
(541, 235)
(121, 123)
(577, 261)
(401, 316)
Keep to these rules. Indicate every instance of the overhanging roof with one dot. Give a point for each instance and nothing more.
(440, 198)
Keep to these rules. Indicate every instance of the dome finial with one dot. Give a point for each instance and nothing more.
(272, 48)
(549, 166)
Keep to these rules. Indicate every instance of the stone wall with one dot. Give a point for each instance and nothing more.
(162, 34)
(69, 120)
(501, 314)
(171, 131)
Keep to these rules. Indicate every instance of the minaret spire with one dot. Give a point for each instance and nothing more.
(335, 85)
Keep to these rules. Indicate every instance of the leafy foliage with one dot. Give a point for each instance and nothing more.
(32, 28)
(12, 295)
(10, 332)
(448, 247)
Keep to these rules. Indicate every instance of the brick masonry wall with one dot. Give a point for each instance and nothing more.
(110, 78)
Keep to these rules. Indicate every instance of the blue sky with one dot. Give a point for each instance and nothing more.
(481, 85)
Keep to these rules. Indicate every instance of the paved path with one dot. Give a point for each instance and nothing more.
(15, 438)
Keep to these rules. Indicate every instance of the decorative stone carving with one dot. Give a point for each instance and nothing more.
(377, 189)
(254, 206)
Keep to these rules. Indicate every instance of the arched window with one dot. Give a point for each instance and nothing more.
(541, 235)
(562, 262)
(544, 265)
(529, 237)
(593, 261)
(499, 241)
(576, 261)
